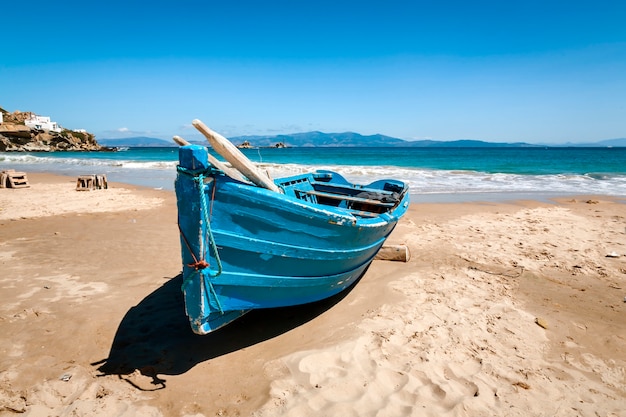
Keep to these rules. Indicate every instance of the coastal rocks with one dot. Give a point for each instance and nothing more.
(15, 136)
(247, 145)
(46, 142)
(20, 131)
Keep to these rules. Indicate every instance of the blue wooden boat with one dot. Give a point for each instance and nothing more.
(247, 247)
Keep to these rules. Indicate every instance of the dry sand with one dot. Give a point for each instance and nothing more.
(504, 310)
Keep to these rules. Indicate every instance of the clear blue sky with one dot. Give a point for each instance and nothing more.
(502, 71)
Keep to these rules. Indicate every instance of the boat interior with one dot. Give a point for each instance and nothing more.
(331, 189)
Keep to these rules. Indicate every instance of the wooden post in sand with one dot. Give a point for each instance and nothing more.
(237, 159)
(233, 173)
(394, 253)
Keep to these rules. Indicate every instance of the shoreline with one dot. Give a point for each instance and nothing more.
(92, 323)
(433, 183)
(434, 198)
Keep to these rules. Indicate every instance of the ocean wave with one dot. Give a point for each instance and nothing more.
(161, 173)
(82, 162)
(423, 181)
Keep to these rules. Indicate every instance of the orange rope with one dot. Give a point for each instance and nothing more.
(197, 264)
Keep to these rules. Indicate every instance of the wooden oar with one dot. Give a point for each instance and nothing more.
(236, 158)
(180, 141)
(233, 173)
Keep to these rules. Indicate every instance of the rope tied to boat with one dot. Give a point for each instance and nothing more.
(201, 266)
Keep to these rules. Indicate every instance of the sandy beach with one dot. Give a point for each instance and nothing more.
(505, 309)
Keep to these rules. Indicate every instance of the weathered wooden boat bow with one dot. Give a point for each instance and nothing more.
(207, 241)
(250, 242)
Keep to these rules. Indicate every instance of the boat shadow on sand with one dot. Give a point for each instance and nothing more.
(154, 337)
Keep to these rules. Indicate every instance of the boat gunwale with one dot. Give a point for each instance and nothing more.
(341, 214)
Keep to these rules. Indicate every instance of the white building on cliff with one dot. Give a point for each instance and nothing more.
(42, 123)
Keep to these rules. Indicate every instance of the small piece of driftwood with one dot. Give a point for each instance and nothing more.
(394, 253)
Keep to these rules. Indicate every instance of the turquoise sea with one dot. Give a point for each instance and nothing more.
(434, 174)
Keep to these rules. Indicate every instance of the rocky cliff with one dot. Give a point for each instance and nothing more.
(15, 136)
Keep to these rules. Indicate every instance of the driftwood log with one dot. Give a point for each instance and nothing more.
(394, 253)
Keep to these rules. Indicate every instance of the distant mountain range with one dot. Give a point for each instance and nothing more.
(347, 139)
(139, 141)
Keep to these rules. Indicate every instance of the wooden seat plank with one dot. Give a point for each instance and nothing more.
(344, 197)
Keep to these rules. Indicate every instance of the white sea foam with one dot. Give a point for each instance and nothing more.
(422, 182)
(93, 162)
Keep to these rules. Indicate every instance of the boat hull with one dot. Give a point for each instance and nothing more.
(264, 249)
